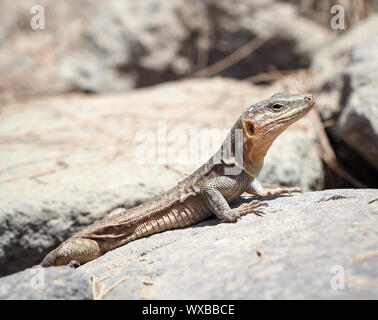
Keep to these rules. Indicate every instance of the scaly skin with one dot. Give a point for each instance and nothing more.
(206, 192)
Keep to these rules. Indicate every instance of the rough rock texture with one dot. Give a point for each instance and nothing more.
(347, 72)
(30, 59)
(37, 284)
(147, 42)
(67, 161)
(309, 244)
(116, 45)
(358, 123)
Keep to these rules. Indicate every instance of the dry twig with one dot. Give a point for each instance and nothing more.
(98, 290)
(181, 172)
(230, 60)
(363, 256)
(270, 76)
(372, 200)
(260, 257)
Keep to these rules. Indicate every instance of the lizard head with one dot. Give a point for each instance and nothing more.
(264, 121)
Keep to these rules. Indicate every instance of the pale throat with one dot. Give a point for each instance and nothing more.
(259, 147)
(254, 152)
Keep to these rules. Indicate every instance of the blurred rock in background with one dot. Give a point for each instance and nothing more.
(92, 46)
(346, 74)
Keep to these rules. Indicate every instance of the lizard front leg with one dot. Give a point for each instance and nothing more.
(257, 189)
(216, 189)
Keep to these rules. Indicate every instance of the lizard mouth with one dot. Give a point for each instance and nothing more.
(304, 109)
(309, 107)
(301, 113)
(296, 114)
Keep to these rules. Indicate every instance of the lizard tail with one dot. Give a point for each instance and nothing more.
(74, 249)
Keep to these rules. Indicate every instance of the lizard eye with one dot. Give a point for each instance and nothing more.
(276, 107)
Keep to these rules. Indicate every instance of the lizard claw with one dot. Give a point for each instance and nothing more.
(252, 207)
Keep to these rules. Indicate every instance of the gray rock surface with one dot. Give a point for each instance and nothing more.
(305, 247)
(37, 284)
(67, 161)
(347, 72)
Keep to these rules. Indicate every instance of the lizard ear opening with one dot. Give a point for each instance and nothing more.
(249, 128)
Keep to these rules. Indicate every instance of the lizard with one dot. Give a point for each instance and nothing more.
(208, 191)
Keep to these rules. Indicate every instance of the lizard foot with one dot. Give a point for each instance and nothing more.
(244, 209)
(258, 190)
(282, 190)
(252, 207)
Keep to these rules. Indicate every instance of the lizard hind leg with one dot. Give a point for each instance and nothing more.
(74, 251)
(257, 189)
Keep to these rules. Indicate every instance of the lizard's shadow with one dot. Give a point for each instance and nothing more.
(241, 200)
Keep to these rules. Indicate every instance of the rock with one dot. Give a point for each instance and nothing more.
(152, 41)
(316, 245)
(38, 52)
(348, 73)
(126, 44)
(358, 123)
(282, 24)
(118, 45)
(68, 160)
(303, 241)
(40, 284)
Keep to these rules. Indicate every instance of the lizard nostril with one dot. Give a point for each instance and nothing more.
(309, 98)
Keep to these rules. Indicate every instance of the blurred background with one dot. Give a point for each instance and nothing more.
(91, 46)
(73, 94)
(94, 47)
